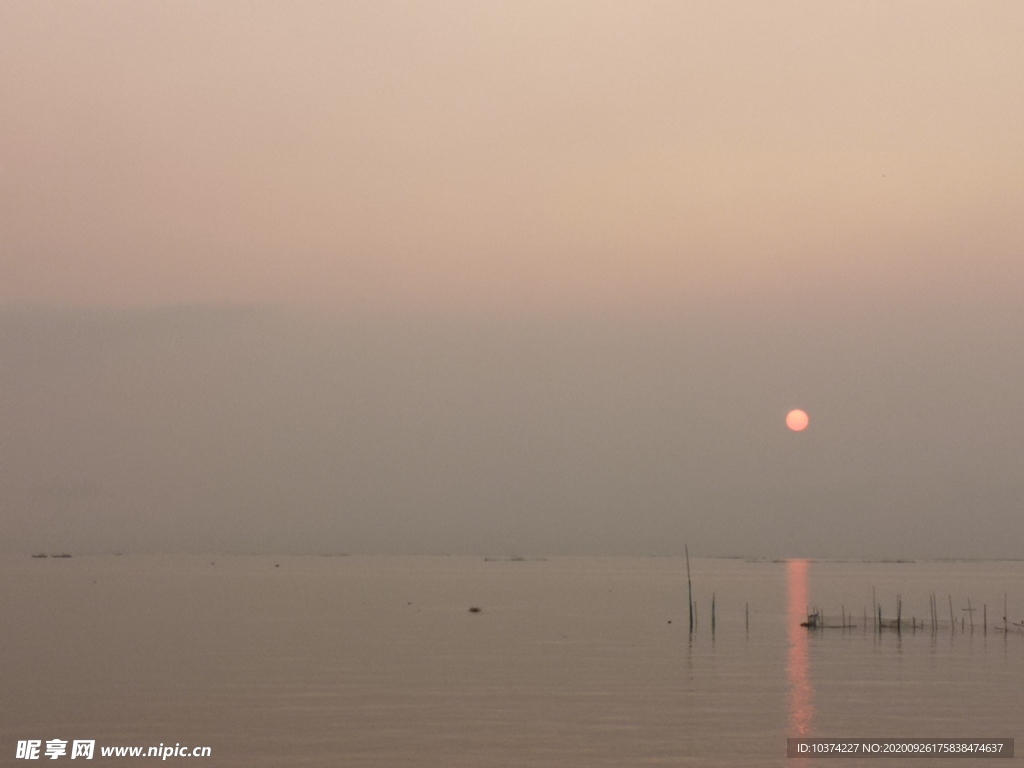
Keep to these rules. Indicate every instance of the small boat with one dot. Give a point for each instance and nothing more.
(814, 621)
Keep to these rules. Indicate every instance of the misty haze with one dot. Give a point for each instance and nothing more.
(471, 383)
(253, 429)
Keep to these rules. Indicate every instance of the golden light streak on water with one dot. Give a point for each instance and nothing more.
(798, 672)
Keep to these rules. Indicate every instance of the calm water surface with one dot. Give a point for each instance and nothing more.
(378, 661)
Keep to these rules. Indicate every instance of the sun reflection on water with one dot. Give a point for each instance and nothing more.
(798, 673)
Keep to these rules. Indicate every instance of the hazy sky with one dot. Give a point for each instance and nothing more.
(495, 277)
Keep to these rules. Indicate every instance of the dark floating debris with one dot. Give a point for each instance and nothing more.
(41, 554)
(475, 609)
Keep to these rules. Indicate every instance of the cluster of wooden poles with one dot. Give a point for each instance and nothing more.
(693, 604)
(816, 621)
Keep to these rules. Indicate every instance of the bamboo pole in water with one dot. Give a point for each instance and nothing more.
(689, 585)
(952, 618)
(712, 613)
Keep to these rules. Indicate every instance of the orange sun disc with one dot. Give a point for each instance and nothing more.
(797, 420)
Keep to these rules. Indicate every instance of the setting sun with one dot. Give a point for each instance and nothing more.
(797, 420)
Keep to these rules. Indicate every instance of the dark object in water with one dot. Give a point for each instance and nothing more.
(812, 620)
(41, 554)
(475, 609)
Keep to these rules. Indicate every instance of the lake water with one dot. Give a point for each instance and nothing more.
(378, 661)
